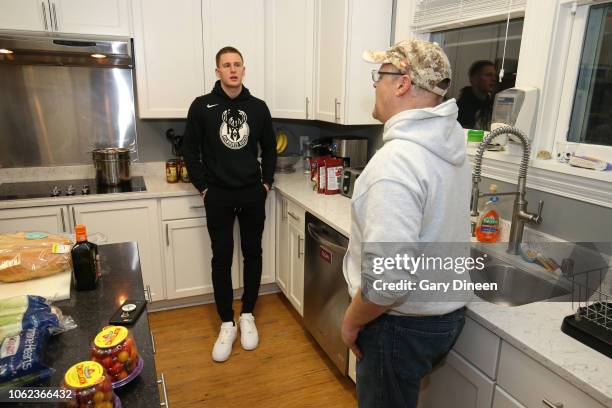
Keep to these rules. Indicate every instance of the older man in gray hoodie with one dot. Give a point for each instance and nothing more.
(414, 190)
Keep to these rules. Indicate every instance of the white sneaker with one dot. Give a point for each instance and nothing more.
(248, 332)
(223, 345)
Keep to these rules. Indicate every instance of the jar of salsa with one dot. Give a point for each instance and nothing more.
(172, 171)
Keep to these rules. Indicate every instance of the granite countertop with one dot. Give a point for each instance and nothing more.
(91, 310)
(535, 329)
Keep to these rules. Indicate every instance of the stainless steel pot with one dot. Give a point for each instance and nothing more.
(113, 165)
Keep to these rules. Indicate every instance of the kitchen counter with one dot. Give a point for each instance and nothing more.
(91, 310)
(335, 210)
(535, 329)
(153, 174)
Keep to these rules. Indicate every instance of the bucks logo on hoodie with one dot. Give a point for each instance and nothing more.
(234, 129)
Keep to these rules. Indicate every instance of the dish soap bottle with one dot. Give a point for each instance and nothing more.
(84, 261)
(488, 227)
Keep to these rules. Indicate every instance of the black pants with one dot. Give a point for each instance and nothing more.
(222, 207)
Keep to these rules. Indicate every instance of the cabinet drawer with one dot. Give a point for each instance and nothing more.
(296, 214)
(501, 399)
(479, 346)
(175, 208)
(531, 384)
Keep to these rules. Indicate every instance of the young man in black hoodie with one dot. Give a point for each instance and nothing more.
(223, 133)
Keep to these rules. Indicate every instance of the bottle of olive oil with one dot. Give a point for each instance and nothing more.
(84, 261)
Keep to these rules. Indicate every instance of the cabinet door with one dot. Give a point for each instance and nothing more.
(52, 219)
(501, 399)
(169, 56)
(457, 383)
(109, 17)
(289, 33)
(282, 245)
(135, 220)
(330, 59)
(369, 29)
(187, 258)
(241, 25)
(296, 254)
(25, 15)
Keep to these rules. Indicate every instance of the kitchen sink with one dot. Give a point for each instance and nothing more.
(515, 286)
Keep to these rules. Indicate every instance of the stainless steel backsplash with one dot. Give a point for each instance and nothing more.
(52, 115)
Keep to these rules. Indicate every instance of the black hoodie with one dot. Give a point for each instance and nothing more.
(221, 140)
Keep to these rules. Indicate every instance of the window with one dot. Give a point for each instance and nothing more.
(591, 117)
(475, 54)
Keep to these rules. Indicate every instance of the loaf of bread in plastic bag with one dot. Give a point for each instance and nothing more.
(30, 255)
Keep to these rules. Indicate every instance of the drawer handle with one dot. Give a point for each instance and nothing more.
(295, 217)
(552, 404)
(153, 342)
(196, 207)
(63, 220)
(162, 381)
(148, 294)
(167, 236)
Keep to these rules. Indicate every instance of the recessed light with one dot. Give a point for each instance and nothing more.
(5, 51)
(99, 56)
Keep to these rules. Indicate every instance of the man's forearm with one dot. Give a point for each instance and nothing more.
(360, 312)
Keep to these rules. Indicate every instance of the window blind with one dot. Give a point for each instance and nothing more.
(438, 15)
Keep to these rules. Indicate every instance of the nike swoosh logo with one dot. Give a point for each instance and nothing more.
(210, 106)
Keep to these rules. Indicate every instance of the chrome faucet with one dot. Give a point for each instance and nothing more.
(520, 216)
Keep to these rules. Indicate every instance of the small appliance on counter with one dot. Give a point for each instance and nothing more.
(349, 177)
(352, 150)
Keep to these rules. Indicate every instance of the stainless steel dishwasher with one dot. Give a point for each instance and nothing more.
(325, 290)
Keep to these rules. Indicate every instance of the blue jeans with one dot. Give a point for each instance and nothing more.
(398, 351)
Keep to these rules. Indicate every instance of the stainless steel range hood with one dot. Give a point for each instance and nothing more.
(63, 97)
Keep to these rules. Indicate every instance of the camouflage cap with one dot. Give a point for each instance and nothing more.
(424, 61)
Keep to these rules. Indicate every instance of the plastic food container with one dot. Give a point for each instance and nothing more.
(115, 349)
(90, 386)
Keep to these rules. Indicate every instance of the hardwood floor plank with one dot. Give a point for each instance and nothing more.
(288, 369)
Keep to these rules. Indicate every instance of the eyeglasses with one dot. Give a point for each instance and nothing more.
(377, 74)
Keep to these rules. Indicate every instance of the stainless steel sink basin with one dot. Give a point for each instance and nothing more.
(515, 286)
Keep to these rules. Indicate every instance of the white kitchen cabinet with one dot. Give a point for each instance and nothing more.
(352, 366)
(290, 248)
(289, 69)
(457, 383)
(32, 15)
(187, 257)
(53, 219)
(109, 17)
(268, 272)
(169, 56)
(518, 373)
(296, 255)
(501, 399)
(282, 245)
(134, 220)
(344, 29)
(239, 24)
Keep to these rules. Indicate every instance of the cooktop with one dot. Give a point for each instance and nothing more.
(60, 188)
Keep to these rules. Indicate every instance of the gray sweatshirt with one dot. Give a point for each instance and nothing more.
(416, 188)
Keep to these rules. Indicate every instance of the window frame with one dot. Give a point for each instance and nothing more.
(550, 64)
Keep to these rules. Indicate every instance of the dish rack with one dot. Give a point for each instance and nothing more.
(591, 324)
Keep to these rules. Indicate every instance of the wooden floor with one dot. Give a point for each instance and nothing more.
(288, 369)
